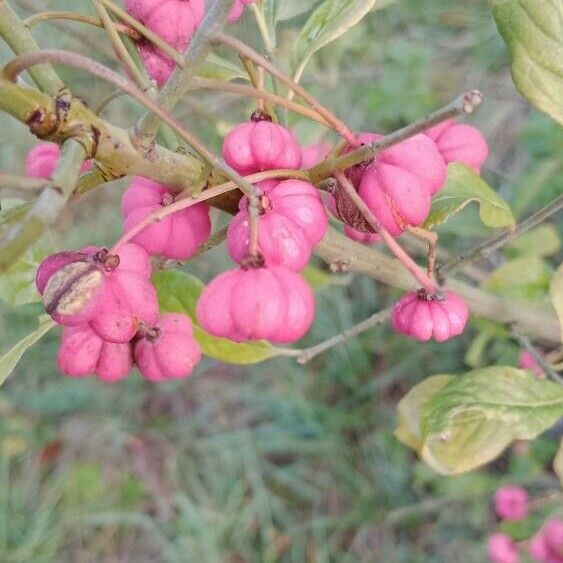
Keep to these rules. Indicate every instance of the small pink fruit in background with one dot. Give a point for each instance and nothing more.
(158, 66)
(177, 236)
(312, 155)
(547, 545)
(292, 223)
(501, 549)
(273, 304)
(169, 350)
(238, 8)
(537, 547)
(511, 503)
(82, 352)
(111, 292)
(422, 316)
(43, 158)
(527, 361)
(459, 142)
(261, 145)
(359, 236)
(395, 197)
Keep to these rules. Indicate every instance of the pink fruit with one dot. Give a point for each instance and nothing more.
(169, 350)
(175, 21)
(292, 223)
(537, 547)
(177, 236)
(459, 142)
(238, 8)
(261, 145)
(422, 316)
(418, 155)
(553, 533)
(312, 155)
(43, 158)
(257, 303)
(358, 236)
(395, 196)
(502, 549)
(110, 292)
(527, 361)
(83, 352)
(511, 503)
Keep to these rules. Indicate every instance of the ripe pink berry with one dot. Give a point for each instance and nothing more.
(537, 547)
(527, 361)
(293, 221)
(417, 155)
(273, 304)
(395, 196)
(459, 142)
(553, 533)
(175, 21)
(177, 236)
(110, 292)
(502, 549)
(83, 352)
(359, 236)
(43, 158)
(511, 503)
(261, 145)
(312, 155)
(238, 8)
(423, 317)
(169, 350)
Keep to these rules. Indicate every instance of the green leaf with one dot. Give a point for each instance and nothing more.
(179, 292)
(558, 463)
(410, 409)
(17, 284)
(533, 33)
(556, 293)
(462, 187)
(525, 278)
(471, 420)
(327, 23)
(543, 241)
(218, 68)
(316, 277)
(11, 358)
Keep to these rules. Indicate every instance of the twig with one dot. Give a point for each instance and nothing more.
(306, 355)
(431, 239)
(462, 105)
(387, 238)
(23, 182)
(526, 343)
(338, 125)
(484, 249)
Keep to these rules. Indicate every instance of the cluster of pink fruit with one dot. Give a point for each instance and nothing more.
(175, 21)
(511, 503)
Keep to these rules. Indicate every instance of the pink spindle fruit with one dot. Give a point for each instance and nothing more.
(177, 236)
(238, 8)
(83, 352)
(312, 155)
(111, 292)
(292, 223)
(511, 503)
(175, 21)
(43, 158)
(422, 316)
(273, 304)
(358, 236)
(553, 533)
(527, 361)
(261, 145)
(502, 549)
(459, 142)
(169, 350)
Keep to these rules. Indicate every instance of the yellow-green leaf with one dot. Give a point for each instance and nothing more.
(464, 186)
(556, 293)
(471, 420)
(558, 463)
(218, 68)
(542, 241)
(410, 409)
(533, 33)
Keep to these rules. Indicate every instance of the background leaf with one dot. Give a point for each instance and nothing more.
(11, 358)
(462, 187)
(558, 463)
(218, 68)
(543, 241)
(179, 292)
(476, 416)
(556, 293)
(533, 33)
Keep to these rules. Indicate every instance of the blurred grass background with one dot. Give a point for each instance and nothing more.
(276, 462)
